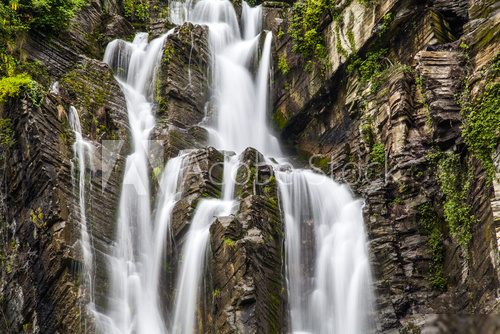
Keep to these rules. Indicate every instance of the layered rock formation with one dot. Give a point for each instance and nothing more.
(384, 140)
(392, 135)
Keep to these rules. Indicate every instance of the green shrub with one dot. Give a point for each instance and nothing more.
(368, 133)
(283, 65)
(12, 86)
(17, 17)
(429, 221)
(367, 2)
(279, 119)
(352, 41)
(52, 15)
(455, 181)
(45, 15)
(481, 125)
(6, 134)
(372, 68)
(304, 31)
(142, 12)
(386, 24)
(136, 10)
(377, 153)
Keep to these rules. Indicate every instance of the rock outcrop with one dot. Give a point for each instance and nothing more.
(385, 140)
(41, 277)
(385, 110)
(182, 89)
(246, 267)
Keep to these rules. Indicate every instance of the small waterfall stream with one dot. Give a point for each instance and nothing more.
(328, 272)
(327, 267)
(336, 297)
(83, 153)
(134, 263)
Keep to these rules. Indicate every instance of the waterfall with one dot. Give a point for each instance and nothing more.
(327, 267)
(194, 250)
(83, 152)
(134, 264)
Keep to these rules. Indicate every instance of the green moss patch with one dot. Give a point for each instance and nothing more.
(481, 119)
(455, 181)
(430, 223)
(13, 86)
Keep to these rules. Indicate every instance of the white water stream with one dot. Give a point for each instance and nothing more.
(328, 272)
(134, 264)
(83, 153)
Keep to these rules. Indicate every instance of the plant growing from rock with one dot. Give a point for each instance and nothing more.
(481, 118)
(455, 182)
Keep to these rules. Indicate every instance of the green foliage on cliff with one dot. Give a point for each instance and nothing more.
(17, 18)
(385, 24)
(38, 218)
(455, 182)
(136, 9)
(45, 15)
(279, 119)
(377, 153)
(305, 30)
(13, 86)
(481, 125)
(368, 133)
(370, 68)
(283, 64)
(367, 2)
(228, 242)
(304, 26)
(429, 221)
(6, 134)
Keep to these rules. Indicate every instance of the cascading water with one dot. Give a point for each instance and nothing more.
(337, 295)
(136, 257)
(327, 266)
(83, 152)
(324, 234)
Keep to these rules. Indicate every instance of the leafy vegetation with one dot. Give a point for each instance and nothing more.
(279, 119)
(136, 9)
(229, 242)
(377, 153)
(455, 182)
(352, 41)
(419, 83)
(17, 18)
(368, 133)
(283, 65)
(371, 68)
(305, 30)
(253, 3)
(429, 221)
(45, 15)
(37, 217)
(321, 162)
(386, 24)
(6, 134)
(367, 2)
(481, 126)
(13, 86)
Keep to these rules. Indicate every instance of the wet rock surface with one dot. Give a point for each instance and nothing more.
(434, 49)
(246, 269)
(41, 227)
(411, 116)
(182, 89)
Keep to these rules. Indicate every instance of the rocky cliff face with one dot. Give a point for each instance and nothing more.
(390, 135)
(390, 108)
